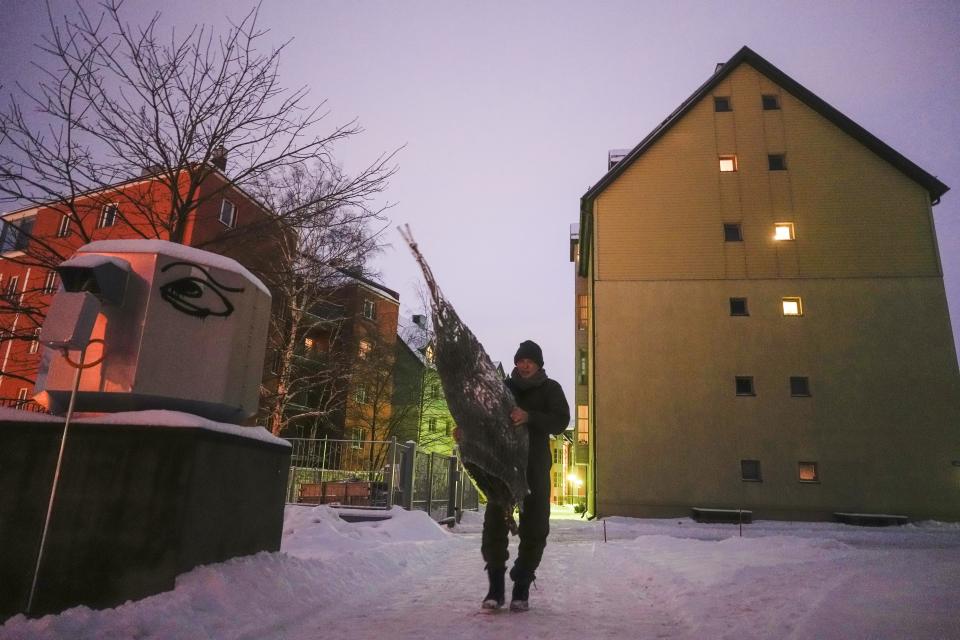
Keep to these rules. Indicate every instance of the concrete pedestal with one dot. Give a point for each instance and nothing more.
(137, 504)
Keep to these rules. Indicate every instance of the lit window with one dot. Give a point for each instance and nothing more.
(783, 231)
(728, 163)
(63, 230)
(808, 472)
(777, 162)
(308, 344)
(108, 215)
(792, 307)
(360, 394)
(732, 232)
(369, 310)
(35, 343)
(744, 386)
(799, 386)
(583, 424)
(738, 307)
(721, 103)
(583, 312)
(770, 102)
(50, 284)
(428, 354)
(750, 471)
(364, 350)
(228, 213)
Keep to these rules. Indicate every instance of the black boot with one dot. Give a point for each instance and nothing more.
(495, 596)
(520, 600)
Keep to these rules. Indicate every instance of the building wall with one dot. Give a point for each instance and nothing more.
(874, 340)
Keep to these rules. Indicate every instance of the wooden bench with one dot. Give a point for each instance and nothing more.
(342, 492)
(732, 516)
(309, 493)
(870, 519)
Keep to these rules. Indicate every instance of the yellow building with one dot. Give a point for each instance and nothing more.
(762, 322)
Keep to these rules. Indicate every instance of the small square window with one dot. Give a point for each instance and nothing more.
(728, 163)
(721, 103)
(108, 215)
(808, 472)
(228, 213)
(732, 232)
(777, 162)
(738, 307)
(783, 231)
(799, 386)
(750, 471)
(744, 386)
(792, 306)
(770, 102)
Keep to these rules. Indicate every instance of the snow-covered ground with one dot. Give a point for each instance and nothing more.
(409, 578)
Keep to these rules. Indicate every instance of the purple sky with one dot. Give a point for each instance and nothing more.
(507, 111)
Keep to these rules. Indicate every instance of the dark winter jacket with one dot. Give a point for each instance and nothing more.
(549, 413)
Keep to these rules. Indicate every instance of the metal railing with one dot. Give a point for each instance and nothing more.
(24, 404)
(378, 474)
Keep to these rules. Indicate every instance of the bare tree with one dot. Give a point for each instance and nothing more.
(331, 243)
(117, 103)
(118, 100)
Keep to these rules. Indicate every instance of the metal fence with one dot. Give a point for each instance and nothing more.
(378, 474)
(24, 404)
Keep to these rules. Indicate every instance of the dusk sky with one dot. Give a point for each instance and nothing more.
(506, 111)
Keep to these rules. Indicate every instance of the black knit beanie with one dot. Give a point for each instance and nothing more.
(530, 350)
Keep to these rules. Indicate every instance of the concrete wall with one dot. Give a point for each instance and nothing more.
(875, 339)
(136, 506)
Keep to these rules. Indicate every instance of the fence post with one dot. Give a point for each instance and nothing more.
(430, 485)
(453, 484)
(323, 461)
(407, 473)
(393, 471)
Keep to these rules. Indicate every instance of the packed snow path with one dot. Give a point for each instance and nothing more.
(407, 578)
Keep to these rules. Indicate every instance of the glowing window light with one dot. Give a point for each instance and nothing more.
(792, 307)
(783, 231)
(728, 163)
(808, 472)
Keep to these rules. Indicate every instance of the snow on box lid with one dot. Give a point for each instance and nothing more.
(179, 251)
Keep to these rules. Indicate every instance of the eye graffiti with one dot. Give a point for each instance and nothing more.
(200, 297)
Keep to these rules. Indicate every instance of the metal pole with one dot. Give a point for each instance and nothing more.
(393, 471)
(453, 483)
(56, 480)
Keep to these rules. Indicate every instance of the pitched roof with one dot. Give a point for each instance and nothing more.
(746, 55)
